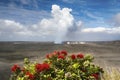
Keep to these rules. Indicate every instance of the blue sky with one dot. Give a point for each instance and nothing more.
(58, 20)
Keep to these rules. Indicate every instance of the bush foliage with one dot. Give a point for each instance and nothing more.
(58, 65)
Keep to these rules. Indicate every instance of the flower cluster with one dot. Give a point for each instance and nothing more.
(15, 68)
(73, 56)
(59, 54)
(58, 65)
(30, 71)
(42, 67)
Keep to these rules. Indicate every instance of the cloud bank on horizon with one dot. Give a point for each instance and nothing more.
(57, 24)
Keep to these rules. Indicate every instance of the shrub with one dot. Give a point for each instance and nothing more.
(58, 66)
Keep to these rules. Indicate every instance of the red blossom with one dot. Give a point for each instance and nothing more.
(39, 67)
(96, 76)
(73, 56)
(64, 52)
(46, 66)
(56, 53)
(61, 57)
(42, 67)
(80, 56)
(15, 67)
(31, 76)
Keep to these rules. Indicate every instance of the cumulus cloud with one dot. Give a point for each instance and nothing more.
(11, 30)
(56, 27)
(9, 26)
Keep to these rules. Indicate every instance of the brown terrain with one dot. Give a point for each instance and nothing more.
(105, 53)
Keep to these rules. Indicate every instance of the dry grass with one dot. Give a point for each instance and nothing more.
(111, 73)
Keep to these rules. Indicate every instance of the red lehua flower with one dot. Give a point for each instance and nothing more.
(39, 67)
(42, 67)
(31, 76)
(80, 56)
(61, 57)
(73, 56)
(46, 66)
(64, 52)
(96, 76)
(15, 67)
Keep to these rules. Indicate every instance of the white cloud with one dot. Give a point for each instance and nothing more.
(97, 34)
(97, 29)
(12, 28)
(114, 30)
(57, 26)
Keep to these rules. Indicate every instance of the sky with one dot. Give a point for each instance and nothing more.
(59, 20)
